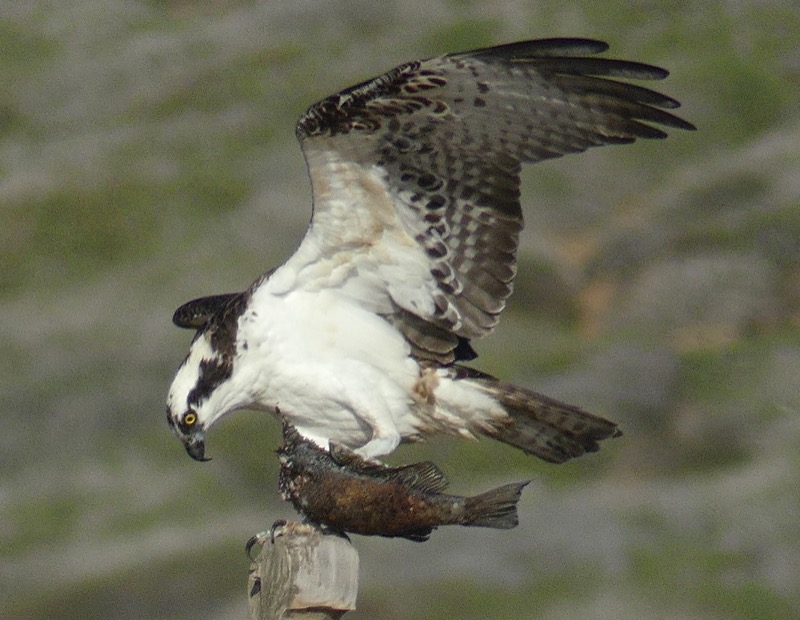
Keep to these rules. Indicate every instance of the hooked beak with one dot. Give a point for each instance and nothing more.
(195, 445)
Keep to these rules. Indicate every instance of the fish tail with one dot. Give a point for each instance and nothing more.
(496, 508)
(538, 425)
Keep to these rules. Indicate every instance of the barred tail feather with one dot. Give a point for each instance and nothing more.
(538, 425)
(496, 508)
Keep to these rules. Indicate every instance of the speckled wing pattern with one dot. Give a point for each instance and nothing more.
(448, 136)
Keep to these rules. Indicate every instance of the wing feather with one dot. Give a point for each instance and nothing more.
(415, 175)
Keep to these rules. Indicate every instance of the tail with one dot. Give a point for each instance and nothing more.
(496, 508)
(538, 425)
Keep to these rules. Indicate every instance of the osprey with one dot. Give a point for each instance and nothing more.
(358, 338)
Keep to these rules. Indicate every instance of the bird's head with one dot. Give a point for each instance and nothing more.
(203, 390)
(201, 393)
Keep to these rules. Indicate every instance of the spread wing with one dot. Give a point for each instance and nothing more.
(415, 177)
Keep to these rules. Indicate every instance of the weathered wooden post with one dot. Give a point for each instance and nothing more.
(301, 573)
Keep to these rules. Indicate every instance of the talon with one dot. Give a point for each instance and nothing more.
(339, 453)
(343, 535)
(327, 530)
(252, 542)
(273, 531)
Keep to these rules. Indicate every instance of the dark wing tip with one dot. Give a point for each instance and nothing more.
(569, 63)
(682, 124)
(464, 351)
(537, 48)
(605, 67)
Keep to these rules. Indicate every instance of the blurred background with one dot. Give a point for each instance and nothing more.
(147, 156)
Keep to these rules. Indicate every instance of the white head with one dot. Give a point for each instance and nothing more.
(204, 389)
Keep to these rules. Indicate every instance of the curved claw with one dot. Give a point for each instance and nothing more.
(274, 530)
(262, 537)
(258, 539)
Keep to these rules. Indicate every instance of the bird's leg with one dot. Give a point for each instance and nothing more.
(385, 436)
(380, 445)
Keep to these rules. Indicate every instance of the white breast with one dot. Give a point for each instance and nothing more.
(328, 364)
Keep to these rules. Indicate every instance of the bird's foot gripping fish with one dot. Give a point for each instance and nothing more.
(343, 492)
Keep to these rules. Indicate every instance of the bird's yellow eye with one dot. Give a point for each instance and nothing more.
(189, 418)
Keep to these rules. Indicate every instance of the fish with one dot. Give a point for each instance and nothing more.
(345, 493)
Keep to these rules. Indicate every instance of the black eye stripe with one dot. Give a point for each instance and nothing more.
(212, 373)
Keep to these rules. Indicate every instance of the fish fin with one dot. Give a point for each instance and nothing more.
(420, 535)
(424, 477)
(496, 508)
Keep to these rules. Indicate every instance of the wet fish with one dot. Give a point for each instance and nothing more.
(340, 490)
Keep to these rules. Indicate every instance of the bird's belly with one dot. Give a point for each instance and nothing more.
(328, 365)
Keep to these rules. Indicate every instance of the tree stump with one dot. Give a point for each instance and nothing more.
(301, 573)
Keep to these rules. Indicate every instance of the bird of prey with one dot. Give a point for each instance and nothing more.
(360, 336)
